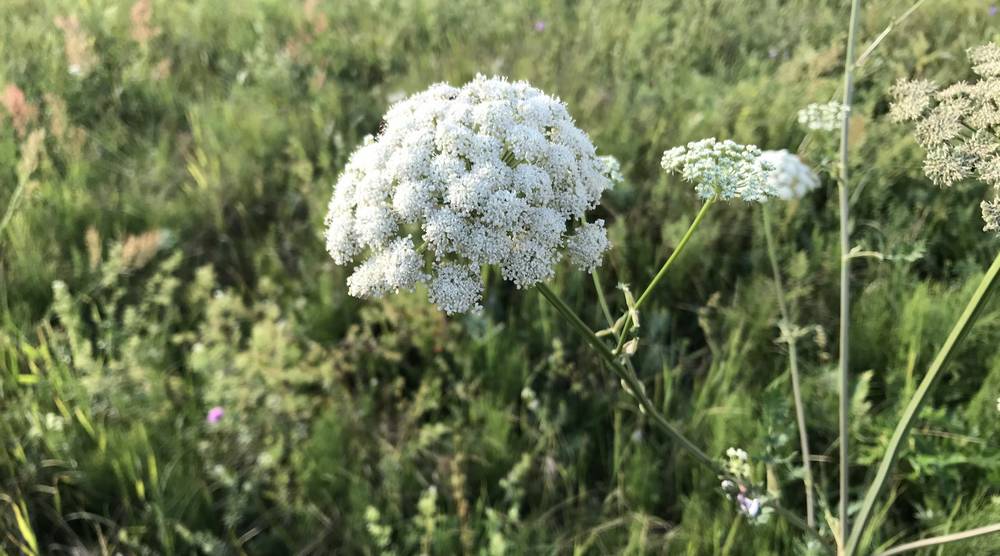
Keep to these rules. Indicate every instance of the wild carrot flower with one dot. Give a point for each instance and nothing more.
(491, 173)
(822, 117)
(722, 169)
(791, 178)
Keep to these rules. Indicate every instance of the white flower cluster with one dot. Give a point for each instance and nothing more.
(822, 117)
(791, 178)
(738, 463)
(722, 169)
(492, 173)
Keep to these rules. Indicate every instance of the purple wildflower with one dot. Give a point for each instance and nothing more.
(749, 506)
(992, 10)
(539, 26)
(215, 415)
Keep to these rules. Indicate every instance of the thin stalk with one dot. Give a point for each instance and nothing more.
(630, 379)
(663, 270)
(797, 521)
(601, 299)
(845, 268)
(647, 406)
(958, 332)
(943, 539)
(793, 369)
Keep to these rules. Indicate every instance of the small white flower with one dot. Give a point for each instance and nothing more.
(490, 173)
(587, 245)
(455, 289)
(397, 267)
(822, 117)
(722, 169)
(791, 178)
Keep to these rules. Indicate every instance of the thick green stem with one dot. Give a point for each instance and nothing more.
(793, 369)
(663, 271)
(958, 332)
(845, 268)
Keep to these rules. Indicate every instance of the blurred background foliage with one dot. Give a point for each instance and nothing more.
(164, 172)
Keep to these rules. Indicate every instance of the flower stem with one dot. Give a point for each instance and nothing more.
(793, 368)
(845, 268)
(958, 332)
(646, 405)
(630, 380)
(663, 270)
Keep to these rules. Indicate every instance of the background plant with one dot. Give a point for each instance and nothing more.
(206, 136)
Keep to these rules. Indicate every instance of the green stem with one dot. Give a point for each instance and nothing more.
(601, 299)
(943, 539)
(793, 369)
(845, 268)
(629, 378)
(958, 332)
(12, 205)
(795, 520)
(647, 406)
(663, 270)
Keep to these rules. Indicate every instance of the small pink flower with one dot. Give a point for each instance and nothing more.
(539, 26)
(215, 415)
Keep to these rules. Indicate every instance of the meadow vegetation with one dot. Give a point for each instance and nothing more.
(182, 370)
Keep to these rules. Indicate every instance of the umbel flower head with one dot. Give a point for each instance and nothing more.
(958, 126)
(791, 178)
(822, 117)
(722, 169)
(491, 173)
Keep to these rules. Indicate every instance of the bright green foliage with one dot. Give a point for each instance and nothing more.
(163, 256)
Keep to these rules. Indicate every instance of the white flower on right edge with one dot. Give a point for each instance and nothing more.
(791, 178)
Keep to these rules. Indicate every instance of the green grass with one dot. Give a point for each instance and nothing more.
(220, 138)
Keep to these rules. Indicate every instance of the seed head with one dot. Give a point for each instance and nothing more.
(910, 99)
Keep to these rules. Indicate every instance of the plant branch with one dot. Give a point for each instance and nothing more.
(646, 405)
(958, 332)
(793, 369)
(628, 378)
(663, 271)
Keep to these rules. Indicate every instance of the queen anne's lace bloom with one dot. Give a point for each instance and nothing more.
(492, 173)
(791, 178)
(587, 244)
(722, 169)
(822, 117)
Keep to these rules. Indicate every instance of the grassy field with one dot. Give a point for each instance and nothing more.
(164, 173)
